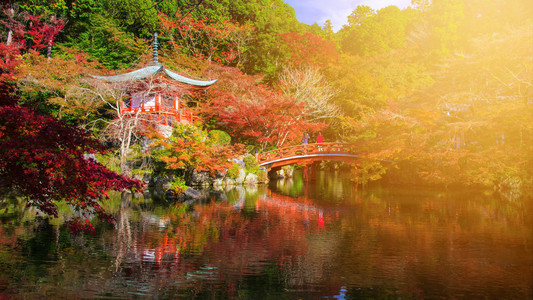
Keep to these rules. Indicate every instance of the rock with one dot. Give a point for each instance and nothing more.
(159, 185)
(228, 182)
(166, 185)
(193, 194)
(240, 162)
(160, 182)
(200, 179)
(251, 179)
(218, 182)
(217, 188)
(240, 178)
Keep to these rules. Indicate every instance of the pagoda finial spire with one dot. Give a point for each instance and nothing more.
(155, 59)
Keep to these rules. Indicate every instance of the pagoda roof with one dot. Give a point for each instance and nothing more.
(152, 70)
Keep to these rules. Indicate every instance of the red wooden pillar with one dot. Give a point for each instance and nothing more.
(175, 112)
(157, 102)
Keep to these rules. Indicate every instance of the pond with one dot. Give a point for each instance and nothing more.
(322, 239)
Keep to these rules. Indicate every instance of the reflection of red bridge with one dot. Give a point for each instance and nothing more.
(291, 208)
(166, 250)
(307, 154)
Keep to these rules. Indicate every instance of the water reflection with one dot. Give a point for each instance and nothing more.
(290, 240)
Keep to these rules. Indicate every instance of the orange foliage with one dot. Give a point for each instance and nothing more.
(309, 49)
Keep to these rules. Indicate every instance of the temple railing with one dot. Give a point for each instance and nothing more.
(163, 114)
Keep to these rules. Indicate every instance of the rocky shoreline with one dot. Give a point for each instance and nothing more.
(160, 186)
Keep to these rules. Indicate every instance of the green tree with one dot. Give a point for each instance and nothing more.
(360, 15)
(105, 41)
(136, 17)
(372, 33)
(438, 29)
(327, 28)
(272, 17)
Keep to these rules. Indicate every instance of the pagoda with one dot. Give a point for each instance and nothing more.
(156, 92)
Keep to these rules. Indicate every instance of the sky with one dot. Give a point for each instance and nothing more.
(318, 11)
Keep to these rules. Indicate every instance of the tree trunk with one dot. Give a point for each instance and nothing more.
(10, 16)
(49, 50)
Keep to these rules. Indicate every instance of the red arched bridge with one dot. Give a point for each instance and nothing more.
(307, 154)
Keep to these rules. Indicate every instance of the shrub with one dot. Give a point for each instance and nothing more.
(262, 176)
(251, 164)
(233, 172)
(178, 186)
(220, 137)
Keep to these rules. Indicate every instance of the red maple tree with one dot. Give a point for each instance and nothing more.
(44, 33)
(253, 112)
(309, 49)
(44, 159)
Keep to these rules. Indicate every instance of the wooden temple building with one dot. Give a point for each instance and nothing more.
(156, 92)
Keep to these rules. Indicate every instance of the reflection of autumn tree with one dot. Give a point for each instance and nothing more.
(238, 243)
(398, 242)
(124, 238)
(438, 236)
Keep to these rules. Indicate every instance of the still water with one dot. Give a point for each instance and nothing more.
(291, 240)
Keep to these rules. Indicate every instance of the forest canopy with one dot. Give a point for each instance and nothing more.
(441, 90)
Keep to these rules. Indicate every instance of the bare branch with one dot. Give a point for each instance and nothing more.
(308, 86)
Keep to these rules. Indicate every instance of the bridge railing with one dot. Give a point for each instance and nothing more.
(306, 149)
